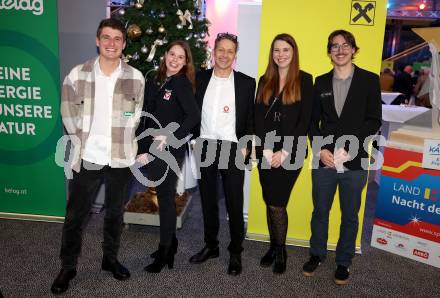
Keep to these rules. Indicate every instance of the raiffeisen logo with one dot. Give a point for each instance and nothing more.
(35, 6)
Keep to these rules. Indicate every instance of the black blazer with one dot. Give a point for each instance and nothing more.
(361, 115)
(172, 102)
(295, 118)
(244, 100)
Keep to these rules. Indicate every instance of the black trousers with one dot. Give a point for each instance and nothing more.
(83, 189)
(233, 179)
(166, 196)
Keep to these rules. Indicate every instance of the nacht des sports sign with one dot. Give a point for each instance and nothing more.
(408, 208)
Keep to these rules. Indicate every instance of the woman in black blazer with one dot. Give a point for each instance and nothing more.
(283, 106)
(169, 99)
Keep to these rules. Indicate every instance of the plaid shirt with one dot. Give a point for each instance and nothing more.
(77, 103)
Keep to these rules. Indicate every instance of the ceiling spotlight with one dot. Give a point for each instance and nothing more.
(422, 6)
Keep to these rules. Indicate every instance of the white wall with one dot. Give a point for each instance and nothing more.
(248, 31)
(77, 23)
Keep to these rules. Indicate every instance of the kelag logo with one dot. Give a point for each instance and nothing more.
(431, 154)
(434, 150)
(35, 6)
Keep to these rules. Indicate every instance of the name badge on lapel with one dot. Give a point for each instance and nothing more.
(326, 94)
(225, 109)
(167, 94)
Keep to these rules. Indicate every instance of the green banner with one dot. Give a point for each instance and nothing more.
(32, 186)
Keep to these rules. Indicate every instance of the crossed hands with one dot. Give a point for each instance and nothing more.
(275, 158)
(334, 160)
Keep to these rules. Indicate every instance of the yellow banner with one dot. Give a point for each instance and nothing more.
(310, 23)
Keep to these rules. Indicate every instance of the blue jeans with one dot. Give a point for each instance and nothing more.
(324, 183)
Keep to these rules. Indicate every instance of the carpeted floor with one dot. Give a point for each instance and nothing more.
(29, 262)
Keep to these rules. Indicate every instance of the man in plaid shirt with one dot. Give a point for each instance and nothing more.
(100, 107)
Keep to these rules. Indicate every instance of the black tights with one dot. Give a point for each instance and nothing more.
(277, 221)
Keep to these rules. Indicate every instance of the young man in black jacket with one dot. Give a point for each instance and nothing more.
(347, 105)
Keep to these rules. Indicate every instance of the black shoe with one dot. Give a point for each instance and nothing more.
(234, 267)
(174, 245)
(204, 254)
(342, 275)
(268, 258)
(280, 259)
(165, 256)
(61, 283)
(118, 270)
(311, 265)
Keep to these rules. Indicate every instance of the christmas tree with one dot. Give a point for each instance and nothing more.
(151, 24)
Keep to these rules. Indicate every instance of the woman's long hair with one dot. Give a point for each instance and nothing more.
(187, 70)
(269, 85)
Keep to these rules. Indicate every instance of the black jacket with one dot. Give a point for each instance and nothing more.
(361, 115)
(295, 118)
(244, 100)
(172, 102)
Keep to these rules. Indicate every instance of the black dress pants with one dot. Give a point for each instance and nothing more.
(233, 179)
(157, 170)
(83, 189)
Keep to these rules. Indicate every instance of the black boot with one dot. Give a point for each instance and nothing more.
(280, 259)
(165, 256)
(174, 245)
(278, 231)
(61, 283)
(269, 257)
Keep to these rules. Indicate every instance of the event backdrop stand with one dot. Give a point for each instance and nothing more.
(407, 220)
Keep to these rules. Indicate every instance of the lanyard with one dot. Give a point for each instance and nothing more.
(271, 106)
